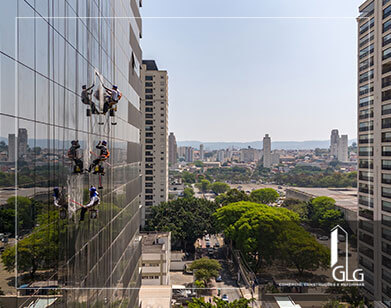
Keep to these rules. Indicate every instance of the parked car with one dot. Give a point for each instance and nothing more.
(225, 298)
(217, 245)
(324, 238)
(210, 251)
(207, 244)
(219, 279)
(207, 238)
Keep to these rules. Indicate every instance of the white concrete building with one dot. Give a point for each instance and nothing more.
(156, 256)
(154, 136)
(342, 154)
(202, 152)
(172, 149)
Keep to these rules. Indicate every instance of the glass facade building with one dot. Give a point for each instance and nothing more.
(48, 50)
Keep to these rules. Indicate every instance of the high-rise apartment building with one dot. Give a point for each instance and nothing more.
(22, 141)
(334, 137)
(172, 149)
(267, 151)
(12, 140)
(189, 154)
(374, 148)
(342, 154)
(202, 154)
(339, 146)
(44, 61)
(154, 136)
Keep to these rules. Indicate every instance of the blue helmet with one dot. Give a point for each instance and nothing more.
(104, 142)
(115, 87)
(56, 192)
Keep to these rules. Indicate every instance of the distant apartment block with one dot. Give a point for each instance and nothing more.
(154, 136)
(202, 152)
(267, 148)
(156, 256)
(249, 155)
(339, 146)
(12, 140)
(172, 149)
(186, 153)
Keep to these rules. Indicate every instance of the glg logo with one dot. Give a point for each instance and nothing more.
(341, 273)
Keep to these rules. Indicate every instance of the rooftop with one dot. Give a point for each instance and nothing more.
(344, 197)
(151, 65)
(151, 243)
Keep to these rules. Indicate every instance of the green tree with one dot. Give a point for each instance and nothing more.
(188, 192)
(39, 250)
(264, 195)
(297, 206)
(204, 185)
(232, 196)
(198, 163)
(219, 187)
(26, 214)
(322, 212)
(187, 218)
(188, 177)
(205, 269)
(299, 248)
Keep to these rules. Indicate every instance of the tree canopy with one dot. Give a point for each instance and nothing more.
(219, 187)
(187, 218)
(264, 195)
(205, 269)
(232, 196)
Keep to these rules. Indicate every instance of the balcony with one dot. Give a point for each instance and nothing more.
(368, 214)
(367, 164)
(367, 239)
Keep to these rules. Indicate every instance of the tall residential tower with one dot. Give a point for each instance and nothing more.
(267, 151)
(374, 147)
(172, 149)
(154, 136)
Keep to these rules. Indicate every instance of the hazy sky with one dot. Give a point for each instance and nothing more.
(235, 79)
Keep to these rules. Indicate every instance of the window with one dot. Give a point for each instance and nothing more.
(386, 109)
(365, 89)
(366, 76)
(368, 214)
(387, 12)
(386, 178)
(364, 27)
(365, 176)
(148, 134)
(148, 103)
(148, 184)
(148, 77)
(365, 64)
(386, 206)
(386, 151)
(386, 53)
(149, 128)
(386, 95)
(365, 114)
(386, 123)
(387, 26)
(148, 122)
(149, 116)
(365, 151)
(149, 191)
(365, 163)
(148, 90)
(367, 138)
(149, 147)
(149, 84)
(365, 39)
(148, 140)
(366, 101)
(148, 109)
(365, 126)
(149, 172)
(386, 192)
(149, 178)
(386, 220)
(149, 159)
(366, 51)
(365, 200)
(386, 137)
(148, 96)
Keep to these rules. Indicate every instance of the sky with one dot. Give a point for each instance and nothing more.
(241, 69)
